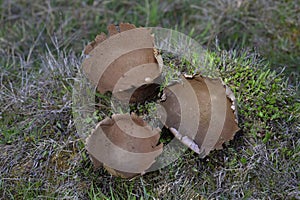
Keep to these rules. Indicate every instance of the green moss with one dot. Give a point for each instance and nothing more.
(265, 100)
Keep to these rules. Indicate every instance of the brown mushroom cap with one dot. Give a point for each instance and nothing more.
(216, 121)
(125, 143)
(122, 62)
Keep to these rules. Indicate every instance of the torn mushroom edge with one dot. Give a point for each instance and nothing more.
(230, 95)
(190, 143)
(102, 36)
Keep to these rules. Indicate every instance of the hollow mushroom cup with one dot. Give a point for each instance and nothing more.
(201, 112)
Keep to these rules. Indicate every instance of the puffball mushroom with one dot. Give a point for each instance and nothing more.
(125, 144)
(200, 109)
(201, 112)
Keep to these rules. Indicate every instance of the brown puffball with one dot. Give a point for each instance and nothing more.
(200, 109)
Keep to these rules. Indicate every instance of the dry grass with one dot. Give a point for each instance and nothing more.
(42, 155)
